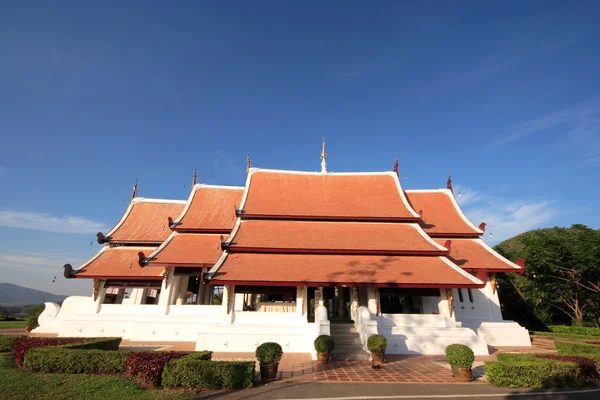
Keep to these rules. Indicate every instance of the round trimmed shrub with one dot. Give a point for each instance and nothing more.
(376, 343)
(269, 353)
(459, 355)
(324, 344)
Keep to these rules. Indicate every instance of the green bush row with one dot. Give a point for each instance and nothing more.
(6, 343)
(579, 330)
(75, 361)
(192, 371)
(568, 348)
(111, 343)
(532, 374)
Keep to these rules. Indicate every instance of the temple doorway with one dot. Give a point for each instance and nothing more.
(337, 300)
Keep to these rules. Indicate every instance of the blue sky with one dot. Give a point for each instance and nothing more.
(504, 95)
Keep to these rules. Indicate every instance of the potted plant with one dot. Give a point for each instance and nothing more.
(460, 358)
(324, 345)
(269, 354)
(377, 345)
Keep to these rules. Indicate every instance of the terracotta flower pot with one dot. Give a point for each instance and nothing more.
(268, 373)
(378, 357)
(462, 374)
(323, 358)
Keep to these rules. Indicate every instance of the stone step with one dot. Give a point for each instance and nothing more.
(342, 329)
(344, 335)
(348, 348)
(350, 356)
(346, 340)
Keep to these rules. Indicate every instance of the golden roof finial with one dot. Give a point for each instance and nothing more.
(134, 195)
(195, 178)
(323, 154)
(248, 163)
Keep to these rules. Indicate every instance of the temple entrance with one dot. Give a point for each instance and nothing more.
(337, 300)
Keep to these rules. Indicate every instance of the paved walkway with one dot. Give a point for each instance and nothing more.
(364, 391)
(397, 369)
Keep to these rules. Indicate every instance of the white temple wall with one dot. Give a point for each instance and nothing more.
(222, 328)
(483, 315)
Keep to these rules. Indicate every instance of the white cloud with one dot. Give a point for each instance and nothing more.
(49, 223)
(465, 196)
(508, 219)
(577, 127)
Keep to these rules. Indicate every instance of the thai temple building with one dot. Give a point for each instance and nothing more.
(288, 257)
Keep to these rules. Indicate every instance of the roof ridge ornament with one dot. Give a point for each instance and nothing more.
(323, 158)
(194, 178)
(248, 163)
(134, 194)
(396, 168)
(449, 183)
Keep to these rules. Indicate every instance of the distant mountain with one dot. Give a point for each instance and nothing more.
(13, 295)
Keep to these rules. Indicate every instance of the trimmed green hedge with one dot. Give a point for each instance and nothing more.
(532, 374)
(579, 330)
(513, 357)
(563, 335)
(7, 342)
(193, 371)
(96, 344)
(75, 361)
(568, 348)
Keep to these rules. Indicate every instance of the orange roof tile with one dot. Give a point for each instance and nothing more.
(325, 270)
(332, 237)
(183, 249)
(145, 221)
(119, 263)
(475, 254)
(331, 196)
(441, 215)
(210, 209)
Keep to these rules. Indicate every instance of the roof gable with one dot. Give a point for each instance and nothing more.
(325, 196)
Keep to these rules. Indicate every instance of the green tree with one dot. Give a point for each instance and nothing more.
(562, 275)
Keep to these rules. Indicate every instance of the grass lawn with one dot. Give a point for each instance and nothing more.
(12, 324)
(17, 384)
(566, 336)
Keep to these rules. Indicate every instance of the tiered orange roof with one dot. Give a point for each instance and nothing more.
(440, 214)
(209, 209)
(120, 262)
(475, 254)
(329, 236)
(187, 249)
(299, 228)
(144, 222)
(349, 270)
(339, 196)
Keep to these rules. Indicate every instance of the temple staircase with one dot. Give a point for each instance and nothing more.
(347, 343)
